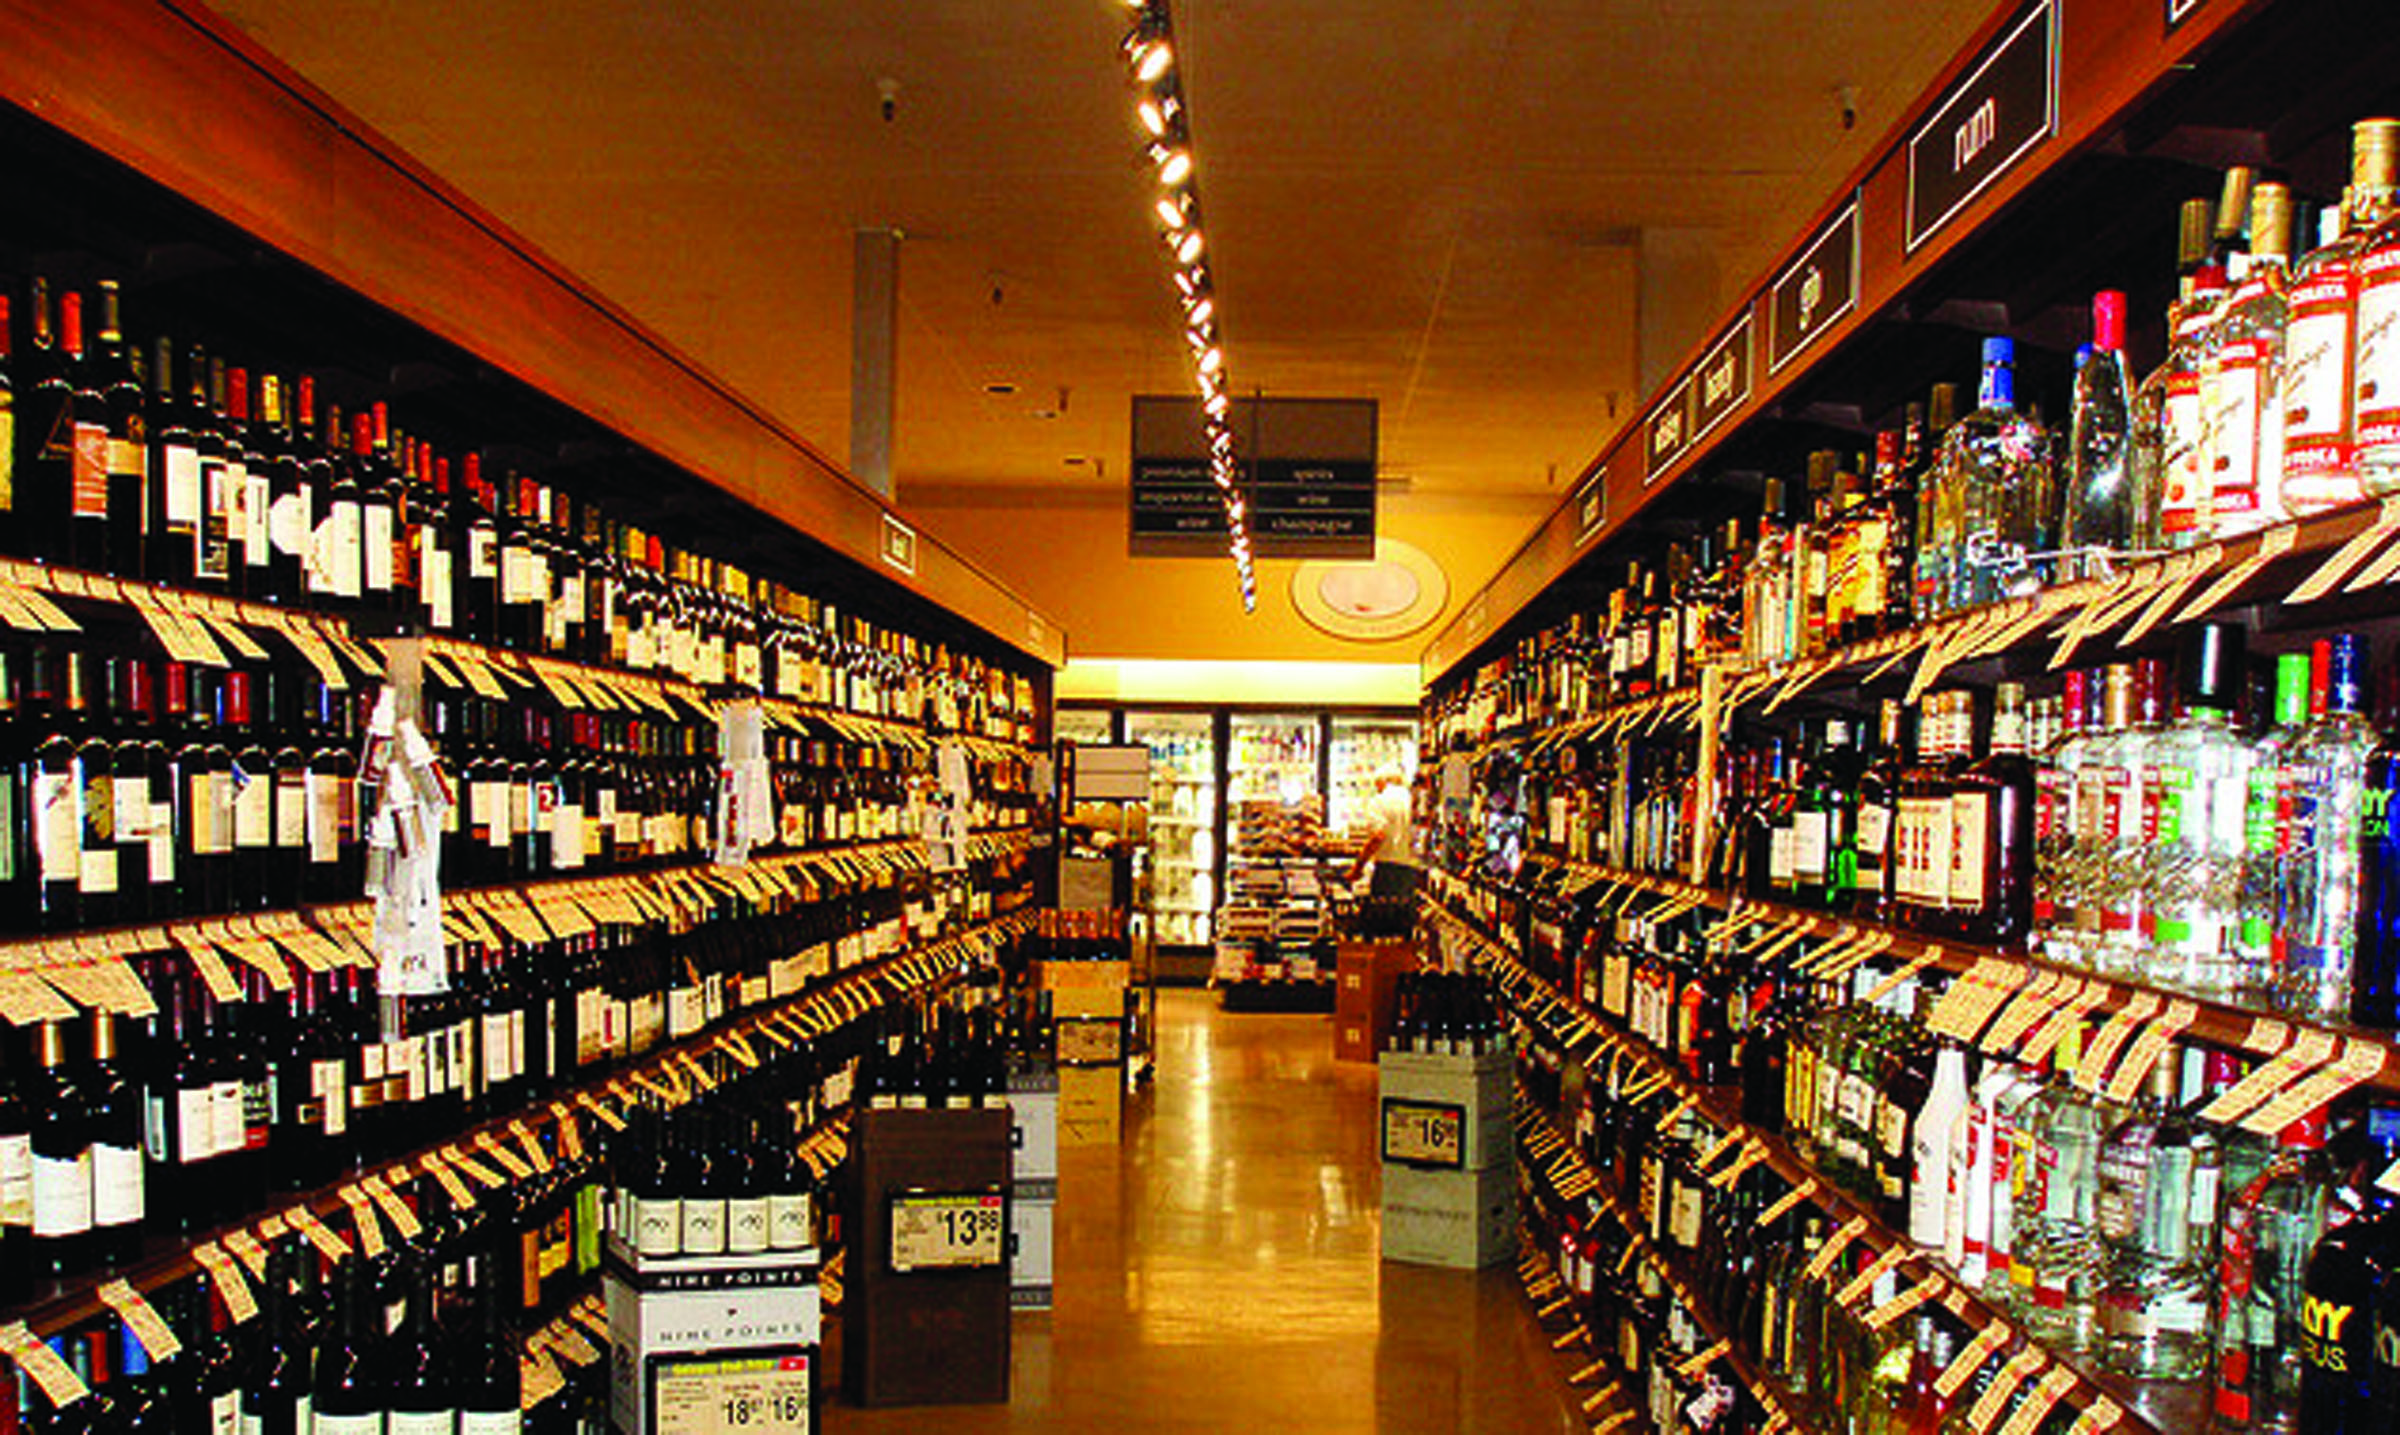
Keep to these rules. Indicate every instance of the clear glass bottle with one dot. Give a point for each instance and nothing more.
(2271, 1225)
(2258, 908)
(2320, 431)
(2058, 1225)
(2241, 384)
(2203, 791)
(2060, 860)
(2105, 513)
(2001, 464)
(2327, 797)
(2166, 406)
(2158, 1213)
(2111, 915)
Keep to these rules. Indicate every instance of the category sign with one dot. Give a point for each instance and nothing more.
(1307, 471)
(1667, 433)
(1991, 119)
(1815, 290)
(1722, 382)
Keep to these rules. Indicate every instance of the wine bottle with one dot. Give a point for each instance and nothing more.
(489, 1381)
(127, 444)
(422, 1400)
(174, 467)
(16, 1187)
(349, 1393)
(251, 775)
(62, 1160)
(115, 1111)
(275, 1399)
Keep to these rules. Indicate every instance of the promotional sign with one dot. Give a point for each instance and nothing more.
(1424, 1133)
(954, 1230)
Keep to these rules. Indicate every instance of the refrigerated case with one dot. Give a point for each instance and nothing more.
(1274, 783)
(1362, 749)
(1183, 821)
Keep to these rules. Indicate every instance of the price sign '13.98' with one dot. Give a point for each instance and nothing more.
(951, 1231)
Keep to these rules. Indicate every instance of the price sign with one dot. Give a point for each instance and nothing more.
(1090, 1041)
(937, 1231)
(733, 1395)
(1425, 1133)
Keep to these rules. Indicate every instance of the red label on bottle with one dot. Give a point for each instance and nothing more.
(90, 471)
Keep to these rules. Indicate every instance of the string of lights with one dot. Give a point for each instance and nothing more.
(1167, 147)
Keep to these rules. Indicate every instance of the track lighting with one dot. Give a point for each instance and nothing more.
(1150, 55)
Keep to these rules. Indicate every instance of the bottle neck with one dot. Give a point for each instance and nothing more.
(1999, 390)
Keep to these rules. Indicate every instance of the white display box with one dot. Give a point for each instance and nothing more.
(1033, 1126)
(1032, 1227)
(680, 1307)
(1462, 1219)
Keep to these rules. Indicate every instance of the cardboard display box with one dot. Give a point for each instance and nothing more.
(1366, 995)
(683, 1326)
(1091, 1105)
(1032, 1228)
(1461, 1219)
(1444, 1111)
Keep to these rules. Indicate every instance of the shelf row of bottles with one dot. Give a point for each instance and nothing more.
(2274, 402)
(2216, 828)
(2164, 1212)
(190, 1095)
(161, 462)
(138, 789)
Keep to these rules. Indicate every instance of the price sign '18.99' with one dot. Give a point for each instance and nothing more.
(948, 1231)
(1424, 1133)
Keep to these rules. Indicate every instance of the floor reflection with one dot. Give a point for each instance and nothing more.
(1218, 1271)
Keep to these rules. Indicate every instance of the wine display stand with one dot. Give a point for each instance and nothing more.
(464, 1161)
(936, 1333)
(1593, 1039)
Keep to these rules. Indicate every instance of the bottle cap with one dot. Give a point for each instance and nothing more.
(2345, 673)
(1999, 349)
(2108, 320)
(2290, 703)
(2211, 663)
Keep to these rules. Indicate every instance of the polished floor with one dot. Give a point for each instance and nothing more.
(1218, 1271)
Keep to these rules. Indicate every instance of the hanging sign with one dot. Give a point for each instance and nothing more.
(1991, 119)
(1817, 289)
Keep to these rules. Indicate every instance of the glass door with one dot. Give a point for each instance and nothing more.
(1183, 822)
(1363, 749)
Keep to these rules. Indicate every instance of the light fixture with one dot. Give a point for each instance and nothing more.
(1159, 109)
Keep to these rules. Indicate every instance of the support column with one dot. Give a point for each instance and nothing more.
(874, 354)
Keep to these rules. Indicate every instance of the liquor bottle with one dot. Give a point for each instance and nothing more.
(1936, 546)
(1991, 820)
(1878, 795)
(62, 1159)
(114, 1106)
(333, 856)
(2057, 1227)
(336, 545)
(127, 443)
(1923, 835)
(95, 798)
(251, 775)
(2105, 513)
(2159, 1176)
(2327, 795)
(140, 895)
(203, 789)
(2259, 907)
(2000, 463)
(88, 527)
(249, 491)
(2271, 1225)
(348, 1392)
(2204, 783)
(45, 434)
(2375, 977)
(56, 801)
(16, 1187)
(1932, 1129)
(2375, 357)
(1766, 581)
(174, 466)
(2241, 393)
(214, 564)
(2320, 434)
(2351, 1265)
(2166, 407)
(2113, 914)
(422, 1398)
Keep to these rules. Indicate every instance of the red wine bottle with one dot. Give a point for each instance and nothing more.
(62, 1160)
(118, 1207)
(349, 1393)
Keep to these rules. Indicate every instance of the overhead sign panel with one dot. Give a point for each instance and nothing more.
(1307, 466)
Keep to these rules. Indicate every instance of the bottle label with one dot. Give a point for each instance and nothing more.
(483, 546)
(326, 1424)
(2182, 508)
(228, 1132)
(2316, 389)
(161, 835)
(1970, 828)
(253, 808)
(182, 484)
(2376, 381)
(288, 525)
(329, 1087)
(789, 1223)
(257, 518)
(490, 1422)
(225, 1413)
(212, 813)
(90, 471)
(324, 817)
(62, 1194)
(703, 1225)
(658, 1225)
(421, 1422)
(2231, 405)
(499, 1050)
(59, 828)
(1810, 847)
(116, 1184)
(747, 1229)
(440, 584)
(16, 1180)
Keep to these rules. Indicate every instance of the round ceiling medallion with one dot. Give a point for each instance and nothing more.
(1397, 593)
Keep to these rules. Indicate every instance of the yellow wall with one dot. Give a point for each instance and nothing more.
(1064, 552)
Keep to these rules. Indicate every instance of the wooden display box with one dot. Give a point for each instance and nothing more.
(915, 1329)
(1091, 1105)
(1366, 995)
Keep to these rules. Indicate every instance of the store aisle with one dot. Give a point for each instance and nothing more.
(1218, 1272)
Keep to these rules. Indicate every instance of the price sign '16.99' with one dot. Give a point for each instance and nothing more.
(948, 1231)
(1424, 1133)
(739, 1395)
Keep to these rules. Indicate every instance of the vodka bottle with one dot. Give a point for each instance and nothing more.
(2195, 863)
(2105, 512)
(2327, 797)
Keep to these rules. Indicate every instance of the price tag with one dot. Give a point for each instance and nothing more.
(2272, 544)
(2049, 989)
(516, 1168)
(1971, 1358)
(535, 1156)
(1955, 1006)
(1883, 1265)
(2067, 1018)
(42, 1365)
(947, 1230)
(1906, 1301)
(1424, 1133)
(2308, 1051)
(1751, 1155)
(2361, 1060)
(249, 1251)
(2091, 1072)
(1874, 945)
(329, 1245)
(539, 1378)
(573, 1344)
(2100, 1416)
(394, 1209)
(1677, 1112)
(1996, 1395)
(1892, 980)
(458, 1191)
(1609, 1426)
(362, 1218)
(26, 1000)
(2046, 1393)
(231, 1286)
(148, 1326)
(475, 1170)
(1791, 1199)
(1834, 1245)
(2148, 1048)
(2346, 558)
(1690, 1369)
